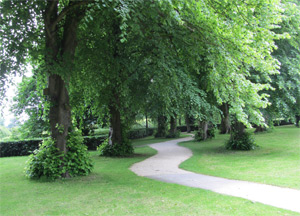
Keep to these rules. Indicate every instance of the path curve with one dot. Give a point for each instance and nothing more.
(164, 167)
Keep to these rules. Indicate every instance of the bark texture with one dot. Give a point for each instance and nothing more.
(225, 126)
(203, 129)
(162, 126)
(188, 123)
(60, 111)
(173, 125)
(115, 126)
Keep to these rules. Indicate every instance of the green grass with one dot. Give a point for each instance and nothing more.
(112, 189)
(276, 162)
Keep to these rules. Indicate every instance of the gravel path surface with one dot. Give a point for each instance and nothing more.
(164, 167)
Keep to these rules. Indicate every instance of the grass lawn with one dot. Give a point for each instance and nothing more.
(276, 162)
(112, 189)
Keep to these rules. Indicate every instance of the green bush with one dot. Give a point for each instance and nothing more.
(92, 142)
(116, 150)
(240, 141)
(49, 162)
(173, 135)
(211, 133)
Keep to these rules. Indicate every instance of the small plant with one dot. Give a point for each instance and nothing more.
(172, 134)
(241, 141)
(49, 162)
(210, 134)
(119, 150)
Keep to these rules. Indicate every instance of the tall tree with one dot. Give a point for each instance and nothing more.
(45, 33)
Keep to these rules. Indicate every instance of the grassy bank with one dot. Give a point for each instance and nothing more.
(276, 162)
(112, 189)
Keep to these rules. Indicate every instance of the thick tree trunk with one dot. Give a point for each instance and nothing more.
(202, 129)
(173, 126)
(60, 51)
(162, 126)
(60, 111)
(115, 136)
(188, 124)
(225, 123)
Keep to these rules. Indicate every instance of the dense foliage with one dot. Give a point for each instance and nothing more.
(123, 150)
(49, 162)
(211, 133)
(239, 141)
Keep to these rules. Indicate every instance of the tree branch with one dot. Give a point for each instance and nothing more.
(67, 9)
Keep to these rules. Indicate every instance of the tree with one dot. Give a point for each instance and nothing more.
(48, 38)
(285, 97)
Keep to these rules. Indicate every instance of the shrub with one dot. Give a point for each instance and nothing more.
(211, 133)
(49, 162)
(173, 135)
(240, 141)
(119, 150)
(92, 142)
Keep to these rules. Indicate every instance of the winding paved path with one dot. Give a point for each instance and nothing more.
(164, 167)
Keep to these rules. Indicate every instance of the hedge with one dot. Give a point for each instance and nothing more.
(25, 147)
(18, 148)
(140, 133)
(183, 128)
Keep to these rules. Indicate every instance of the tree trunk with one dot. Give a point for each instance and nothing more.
(173, 127)
(260, 128)
(147, 125)
(61, 51)
(188, 124)
(162, 126)
(60, 111)
(202, 129)
(225, 123)
(297, 120)
(115, 131)
(238, 128)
